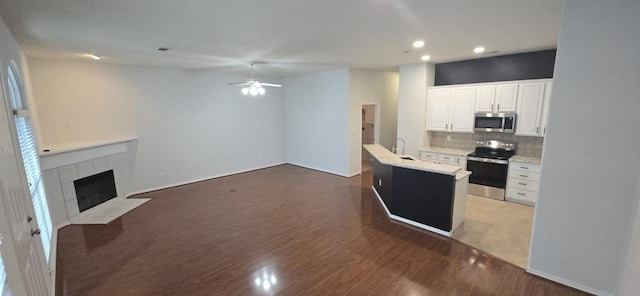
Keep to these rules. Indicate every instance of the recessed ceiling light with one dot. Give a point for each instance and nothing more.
(478, 49)
(418, 43)
(425, 58)
(93, 56)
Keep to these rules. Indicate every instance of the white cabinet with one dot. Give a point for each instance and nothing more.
(438, 102)
(506, 97)
(523, 182)
(545, 109)
(451, 109)
(496, 97)
(444, 158)
(530, 101)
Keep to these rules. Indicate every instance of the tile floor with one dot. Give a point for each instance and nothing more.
(109, 211)
(500, 228)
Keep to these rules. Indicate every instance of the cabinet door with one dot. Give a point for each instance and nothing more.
(462, 109)
(485, 96)
(530, 98)
(461, 161)
(438, 101)
(545, 109)
(506, 97)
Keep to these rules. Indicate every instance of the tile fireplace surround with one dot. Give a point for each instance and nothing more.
(64, 165)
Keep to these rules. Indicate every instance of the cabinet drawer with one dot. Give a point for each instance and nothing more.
(449, 162)
(446, 158)
(522, 184)
(525, 167)
(524, 175)
(523, 196)
(428, 156)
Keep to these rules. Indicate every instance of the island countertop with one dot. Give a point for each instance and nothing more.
(387, 157)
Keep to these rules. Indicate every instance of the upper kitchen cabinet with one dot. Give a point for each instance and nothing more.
(545, 109)
(530, 103)
(451, 109)
(495, 98)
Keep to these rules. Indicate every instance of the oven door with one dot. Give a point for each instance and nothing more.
(488, 172)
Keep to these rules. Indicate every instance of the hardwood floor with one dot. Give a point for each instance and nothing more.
(284, 230)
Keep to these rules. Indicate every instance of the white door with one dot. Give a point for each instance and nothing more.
(15, 199)
(506, 97)
(462, 107)
(438, 109)
(530, 97)
(485, 96)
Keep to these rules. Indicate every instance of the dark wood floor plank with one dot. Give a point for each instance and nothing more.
(315, 233)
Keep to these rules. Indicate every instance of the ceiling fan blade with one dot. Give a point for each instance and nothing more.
(239, 83)
(270, 84)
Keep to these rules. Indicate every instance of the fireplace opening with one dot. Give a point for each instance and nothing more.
(94, 190)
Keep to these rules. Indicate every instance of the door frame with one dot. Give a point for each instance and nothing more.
(376, 127)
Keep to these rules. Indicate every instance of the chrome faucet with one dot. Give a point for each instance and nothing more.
(394, 149)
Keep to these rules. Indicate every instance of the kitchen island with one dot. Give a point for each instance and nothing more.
(426, 195)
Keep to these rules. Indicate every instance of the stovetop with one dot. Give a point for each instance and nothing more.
(494, 149)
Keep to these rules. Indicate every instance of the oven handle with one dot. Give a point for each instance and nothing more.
(498, 161)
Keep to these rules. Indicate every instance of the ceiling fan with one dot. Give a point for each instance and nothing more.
(252, 86)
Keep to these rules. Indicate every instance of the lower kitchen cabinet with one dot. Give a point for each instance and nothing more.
(523, 182)
(443, 158)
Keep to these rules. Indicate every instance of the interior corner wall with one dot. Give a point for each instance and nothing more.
(370, 87)
(629, 284)
(412, 105)
(316, 120)
(590, 159)
(191, 125)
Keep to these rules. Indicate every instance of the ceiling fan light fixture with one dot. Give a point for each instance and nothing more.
(261, 90)
(245, 91)
(253, 90)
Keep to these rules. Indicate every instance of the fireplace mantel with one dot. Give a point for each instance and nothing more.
(57, 155)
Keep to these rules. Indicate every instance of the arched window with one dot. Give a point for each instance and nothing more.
(30, 157)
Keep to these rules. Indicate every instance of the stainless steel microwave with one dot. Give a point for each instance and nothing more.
(495, 122)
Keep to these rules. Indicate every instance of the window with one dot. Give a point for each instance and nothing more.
(4, 289)
(31, 160)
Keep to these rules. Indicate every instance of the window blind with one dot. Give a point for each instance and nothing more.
(4, 290)
(34, 178)
(31, 163)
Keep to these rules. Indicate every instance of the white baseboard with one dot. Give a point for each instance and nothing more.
(568, 282)
(321, 170)
(200, 179)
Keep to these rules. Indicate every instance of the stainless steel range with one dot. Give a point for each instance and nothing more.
(489, 164)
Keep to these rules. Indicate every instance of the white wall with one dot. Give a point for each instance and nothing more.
(317, 134)
(190, 124)
(11, 175)
(412, 105)
(591, 156)
(629, 284)
(371, 87)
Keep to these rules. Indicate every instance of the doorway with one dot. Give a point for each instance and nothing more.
(369, 130)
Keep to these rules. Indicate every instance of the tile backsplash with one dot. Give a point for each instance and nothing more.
(527, 146)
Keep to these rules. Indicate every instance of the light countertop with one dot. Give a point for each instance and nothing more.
(387, 157)
(525, 159)
(460, 152)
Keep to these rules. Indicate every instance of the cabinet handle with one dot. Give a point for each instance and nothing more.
(446, 126)
(524, 176)
(537, 130)
(521, 194)
(544, 132)
(523, 184)
(451, 126)
(491, 106)
(498, 107)
(524, 168)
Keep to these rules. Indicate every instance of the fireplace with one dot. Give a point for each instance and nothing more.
(95, 189)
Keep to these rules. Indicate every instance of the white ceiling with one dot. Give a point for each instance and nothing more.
(291, 36)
